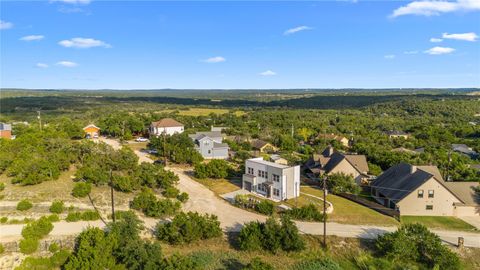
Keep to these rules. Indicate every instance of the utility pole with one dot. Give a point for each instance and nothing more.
(292, 130)
(325, 211)
(111, 195)
(39, 116)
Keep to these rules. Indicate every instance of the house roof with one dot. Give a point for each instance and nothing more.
(220, 145)
(268, 163)
(201, 134)
(465, 191)
(258, 144)
(359, 162)
(400, 180)
(4, 126)
(91, 126)
(396, 132)
(167, 122)
(463, 148)
(275, 157)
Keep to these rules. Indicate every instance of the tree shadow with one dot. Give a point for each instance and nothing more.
(232, 264)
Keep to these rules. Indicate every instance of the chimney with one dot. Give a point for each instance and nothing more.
(413, 169)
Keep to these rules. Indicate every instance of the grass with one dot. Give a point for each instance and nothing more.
(446, 223)
(346, 211)
(221, 186)
(207, 111)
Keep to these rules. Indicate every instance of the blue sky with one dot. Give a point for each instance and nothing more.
(82, 44)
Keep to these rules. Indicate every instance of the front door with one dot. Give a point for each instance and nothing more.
(248, 186)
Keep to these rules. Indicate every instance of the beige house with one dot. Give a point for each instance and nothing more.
(331, 162)
(330, 137)
(166, 126)
(263, 146)
(421, 191)
(398, 134)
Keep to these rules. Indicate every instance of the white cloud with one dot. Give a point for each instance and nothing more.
(5, 25)
(439, 50)
(464, 36)
(389, 56)
(41, 65)
(410, 52)
(74, 2)
(433, 7)
(32, 38)
(268, 73)
(216, 59)
(67, 64)
(83, 43)
(297, 29)
(436, 40)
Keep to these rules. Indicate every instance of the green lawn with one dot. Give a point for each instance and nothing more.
(220, 186)
(346, 211)
(447, 223)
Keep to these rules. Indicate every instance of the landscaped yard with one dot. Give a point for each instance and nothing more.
(346, 211)
(221, 186)
(447, 223)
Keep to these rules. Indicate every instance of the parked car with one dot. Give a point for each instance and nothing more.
(141, 139)
(151, 151)
(159, 162)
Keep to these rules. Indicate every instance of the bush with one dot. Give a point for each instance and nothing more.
(414, 242)
(24, 205)
(81, 189)
(57, 207)
(265, 207)
(342, 183)
(53, 247)
(188, 227)
(53, 218)
(2, 249)
(216, 169)
(182, 197)
(320, 264)
(73, 217)
(3, 220)
(2, 186)
(29, 245)
(148, 203)
(171, 192)
(53, 262)
(271, 236)
(257, 264)
(37, 229)
(308, 212)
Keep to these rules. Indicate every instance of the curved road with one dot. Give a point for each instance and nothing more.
(203, 200)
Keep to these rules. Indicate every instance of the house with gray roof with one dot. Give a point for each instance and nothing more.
(210, 144)
(331, 162)
(464, 149)
(421, 191)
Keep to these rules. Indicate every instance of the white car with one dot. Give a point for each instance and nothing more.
(141, 139)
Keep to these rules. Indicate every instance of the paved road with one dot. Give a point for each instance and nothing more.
(231, 218)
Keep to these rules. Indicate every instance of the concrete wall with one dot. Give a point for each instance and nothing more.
(442, 202)
(467, 210)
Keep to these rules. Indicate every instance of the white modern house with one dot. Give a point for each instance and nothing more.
(167, 126)
(274, 181)
(210, 144)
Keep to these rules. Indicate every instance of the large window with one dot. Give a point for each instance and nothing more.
(431, 193)
(250, 171)
(420, 193)
(276, 178)
(276, 192)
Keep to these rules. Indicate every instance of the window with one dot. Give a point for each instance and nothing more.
(209, 151)
(276, 192)
(259, 173)
(429, 207)
(431, 193)
(250, 171)
(276, 178)
(266, 175)
(420, 193)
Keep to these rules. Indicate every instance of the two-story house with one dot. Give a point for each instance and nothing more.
(274, 181)
(209, 144)
(421, 191)
(166, 126)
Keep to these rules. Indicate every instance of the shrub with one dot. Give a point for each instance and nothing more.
(148, 203)
(271, 236)
(29, 245)
(3, 220)
(319, 264)
(2, 249)
(53, 262)
(171, 192)
(57, 207)
(53, 218)
(182, 197)
(414, 242)
(24, 205)
(342, 183)
(81, 189)
(265, 207)
(37, 229)
(308, 212)
(188, 227)
(90, 215)
(258, 264)
(73, 217)
(216, 169)
(53, 247)
(2, 186)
